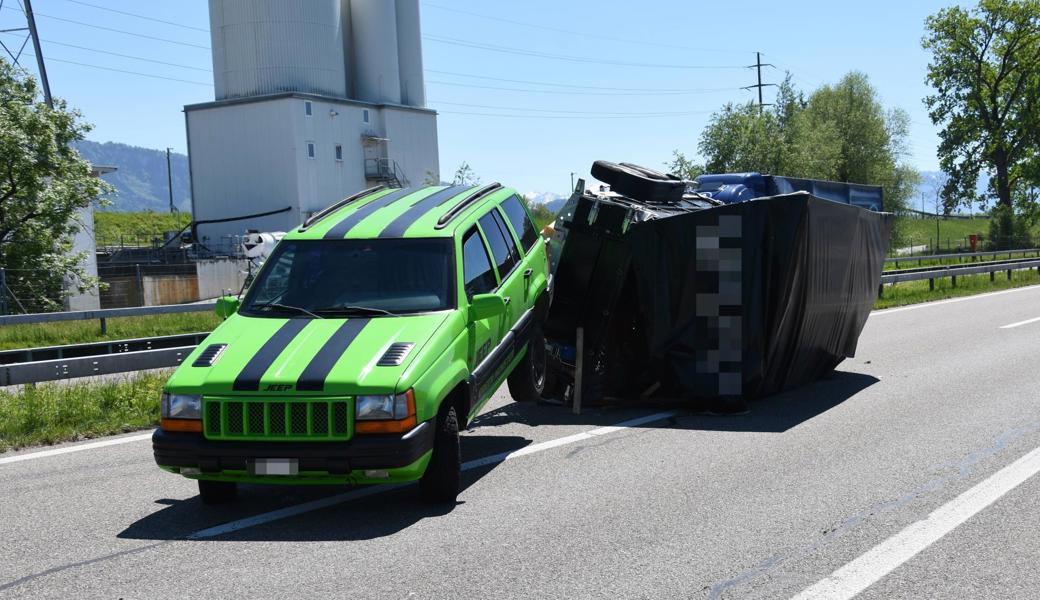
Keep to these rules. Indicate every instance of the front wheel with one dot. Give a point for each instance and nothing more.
(527, 382)
(440, 483)
(217, 492)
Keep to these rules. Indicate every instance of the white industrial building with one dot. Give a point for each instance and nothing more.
(315, 100)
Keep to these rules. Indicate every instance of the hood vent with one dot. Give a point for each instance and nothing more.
(395, 354)
(209, 356)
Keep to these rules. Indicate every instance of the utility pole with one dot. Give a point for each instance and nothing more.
(39, 54)
(169, 179)
(758, 66)
(572, 181)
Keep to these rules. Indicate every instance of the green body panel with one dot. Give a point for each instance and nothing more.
(448, 346)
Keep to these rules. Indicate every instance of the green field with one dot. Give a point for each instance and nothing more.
(952, 232)
(50, 413)
(109, 226)
(79, 332)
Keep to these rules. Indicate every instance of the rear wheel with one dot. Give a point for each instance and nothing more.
(527, 382)
(217, 492)
(440, 483)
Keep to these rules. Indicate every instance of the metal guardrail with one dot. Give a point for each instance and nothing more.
(105, 313)
(961, 255)
(35, 365)
(955, 271)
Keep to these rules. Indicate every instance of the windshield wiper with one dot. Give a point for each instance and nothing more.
(355, 310)
(287, 307)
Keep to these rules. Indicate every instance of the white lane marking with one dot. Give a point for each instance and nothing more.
(884, 558)
(292, 511)
(78, 448)
(1021, 323)
(889, 311)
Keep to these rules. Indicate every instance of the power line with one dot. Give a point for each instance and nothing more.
(578, 93)
(112, 29)
(573, 112)
(145, 17)
(569, 117)
(575, 32)
(580, 59)
(140, 58)
(72, 62)
(566, 85)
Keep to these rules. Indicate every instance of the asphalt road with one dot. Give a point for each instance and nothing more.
(907, 474)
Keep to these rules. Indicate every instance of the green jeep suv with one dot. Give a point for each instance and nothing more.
(372, 334)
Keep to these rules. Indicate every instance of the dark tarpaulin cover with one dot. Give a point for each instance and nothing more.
(741, 300)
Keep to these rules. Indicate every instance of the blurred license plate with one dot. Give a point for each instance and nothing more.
(276, 466)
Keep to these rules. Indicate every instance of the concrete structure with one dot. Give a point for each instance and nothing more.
(84, 242)
(315, 100)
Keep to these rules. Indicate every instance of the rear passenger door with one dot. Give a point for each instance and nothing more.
(531, 246)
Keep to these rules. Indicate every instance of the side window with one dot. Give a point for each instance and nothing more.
(476, 267)
(501, 241)
(521, 222)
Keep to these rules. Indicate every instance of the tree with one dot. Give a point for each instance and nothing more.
(43, 184)
(683, 167)
(985, 69)
(464, 175)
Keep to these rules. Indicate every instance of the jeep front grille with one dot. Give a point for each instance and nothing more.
(267, 419)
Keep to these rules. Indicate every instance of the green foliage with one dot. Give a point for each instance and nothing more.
(838, 133)
(985, 69)
(50, 413)
(464, 175)
(44, 185)
(540, 213)
(79, 332)
(684, 167)
(132, 226)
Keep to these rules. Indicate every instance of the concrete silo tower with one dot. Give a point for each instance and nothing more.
(313, 101)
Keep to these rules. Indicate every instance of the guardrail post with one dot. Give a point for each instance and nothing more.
(1009, 274)
(104, 326)
(881, 290)
(954, 277)
(992, 275)
(931, 285)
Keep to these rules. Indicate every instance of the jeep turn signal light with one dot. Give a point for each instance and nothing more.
(403, 411)
(184, 425)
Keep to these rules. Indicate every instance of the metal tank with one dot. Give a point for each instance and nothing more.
(374, 44)
(409, 53)
(270, 46)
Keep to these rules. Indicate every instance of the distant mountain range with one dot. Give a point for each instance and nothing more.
(140, 176)
(551, 200)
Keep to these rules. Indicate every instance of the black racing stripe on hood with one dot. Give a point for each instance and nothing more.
(340, 230)
(398, 226)
(248, 379)
(313, 377)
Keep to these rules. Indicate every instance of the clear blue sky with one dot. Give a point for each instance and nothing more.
(531, 140)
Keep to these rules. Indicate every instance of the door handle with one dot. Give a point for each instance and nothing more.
(528, 273)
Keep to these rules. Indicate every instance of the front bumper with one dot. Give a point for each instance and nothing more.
(177, 451)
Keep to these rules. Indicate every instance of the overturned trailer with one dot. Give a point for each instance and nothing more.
(678, 295)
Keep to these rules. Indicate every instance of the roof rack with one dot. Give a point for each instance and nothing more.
(464, 204)
(338, 205)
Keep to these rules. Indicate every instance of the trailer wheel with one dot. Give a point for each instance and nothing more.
(638, 182)
(217, 492)
(527, 382)
(440, 483)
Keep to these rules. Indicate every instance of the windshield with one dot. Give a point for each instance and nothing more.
(324, 278)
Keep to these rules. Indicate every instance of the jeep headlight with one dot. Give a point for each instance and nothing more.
(181, 406)
(381, 408)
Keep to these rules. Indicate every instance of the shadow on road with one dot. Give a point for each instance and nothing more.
(398, 509)
(361, 519)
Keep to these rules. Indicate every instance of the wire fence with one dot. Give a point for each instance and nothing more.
(925, 245)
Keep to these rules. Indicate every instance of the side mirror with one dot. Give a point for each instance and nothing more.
(226, 306)
(485, 306)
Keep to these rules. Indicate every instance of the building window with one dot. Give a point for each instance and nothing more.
(310, 149)
(307, 108)
(364, 115)
(339, 152)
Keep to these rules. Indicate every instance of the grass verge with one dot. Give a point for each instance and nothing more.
(53, 412)
(79, 332)
(914, 292)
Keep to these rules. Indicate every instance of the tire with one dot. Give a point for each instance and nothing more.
(217, 492)
(443, 476)
(527, 382)
(639, 183)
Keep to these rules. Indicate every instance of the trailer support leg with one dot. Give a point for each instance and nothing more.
(579, 370)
